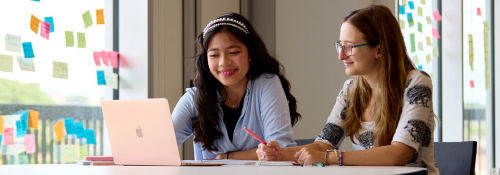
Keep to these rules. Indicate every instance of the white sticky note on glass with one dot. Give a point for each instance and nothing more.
(111, 79)
(26, 64)
(13, 43)
(6, 63)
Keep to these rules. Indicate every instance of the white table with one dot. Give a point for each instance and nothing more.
(58, 169)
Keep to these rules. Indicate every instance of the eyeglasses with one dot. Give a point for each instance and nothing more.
(347, 48)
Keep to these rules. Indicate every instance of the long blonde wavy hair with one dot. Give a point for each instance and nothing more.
(379, 27)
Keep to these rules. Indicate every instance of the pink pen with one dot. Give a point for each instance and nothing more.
(258, 138)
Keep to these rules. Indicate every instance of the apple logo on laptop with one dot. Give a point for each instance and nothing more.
(138, 131)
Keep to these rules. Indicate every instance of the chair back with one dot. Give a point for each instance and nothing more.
(455, 157)
(301, 142)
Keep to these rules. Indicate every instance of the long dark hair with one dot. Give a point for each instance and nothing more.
(205, 97)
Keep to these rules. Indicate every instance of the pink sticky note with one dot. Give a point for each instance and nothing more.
(479, 11)
(437, 16)
(8, 136)
(435, 33)
(472, 84)
(45, 29)
(105, 57)
(97, 58)
(113, 59)
(29, 140)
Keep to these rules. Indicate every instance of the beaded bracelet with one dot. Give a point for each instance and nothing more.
(326, 156)
(341, 163)
(337, 155)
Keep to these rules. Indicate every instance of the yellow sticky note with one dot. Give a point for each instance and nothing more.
(415, 59)
(1, 125)
(422, 1)
(69, 153)
(402, 24)
(420, 11)
(471, 52)
(429, 20)
(403, 3)
(428, 41)
(59, 130)
(34, 24)
(99, 16)
(486, 26)
(6, 63)
(60, 70)
(428, 57)
(84, 151)
(33, 119)
(436, 52)
(420, 46)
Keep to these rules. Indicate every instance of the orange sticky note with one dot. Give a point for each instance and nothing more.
(29, 140)
(99, 16)
(1, 126)
(34, 24)
(33, 119)
(59, 130)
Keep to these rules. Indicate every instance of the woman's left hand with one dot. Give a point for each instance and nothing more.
(307, 156)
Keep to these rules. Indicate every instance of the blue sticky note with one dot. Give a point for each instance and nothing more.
(410, 3)
(20, 131)
(78, 130)
(0, 141)
(401, 10)
(51, 21)
(36, 0)
(24, 119)
(28, 50)
(68, 124)
(18, 112)
(100, 78)
(420, 67)
(410, 15)
(89, 134)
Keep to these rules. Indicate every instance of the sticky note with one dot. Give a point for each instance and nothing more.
(412, 42)
(410, 22)
(436, 52)
(101, 78)
(420, 46)
(420, 67)
(34, 23)
(111, 79)
(81, 39)
(471, 52)
(50, 20)
(1, 141)
(435, 33)
(471, 82)
(105, 57)
(420, 11)
(60, 70)
(24, 119)
(409, 15)
(69, 153)
(26, 64)
(422, 1)
(13, 43)
(8, 136)
(401, 10)
(68, 124)
(437, 16)
(97, 58)
(6, 63)
(479, 11)
(415, 60)
(403, 3)
(99, 15)
(21, 132)
(113, 59)
(428, 58)
(30, 142)
(419, 27)
(428, 41)
(402, 24)
(36, 0)
(429, 20)
(23, 158)
(83, 151)
(45, 29)
(412, 6)
(87, 19)
(486, 26)
(70, 40)
(33, 119)
(28, 50)
(59, 130)
(78, 129)
(89, 134)
(1, 127)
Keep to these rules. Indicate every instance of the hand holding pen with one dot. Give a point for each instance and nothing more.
(273, 145)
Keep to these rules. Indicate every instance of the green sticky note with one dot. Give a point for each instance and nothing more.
(23, 158)
(410, 21)
(87, 19)
(69, 153)
(412, 42)
(419, 27)
(84, 151)
(81, 40)
(70, 40)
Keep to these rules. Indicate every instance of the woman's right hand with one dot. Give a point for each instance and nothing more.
(269, 152)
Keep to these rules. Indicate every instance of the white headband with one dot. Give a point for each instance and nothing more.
(223, 21)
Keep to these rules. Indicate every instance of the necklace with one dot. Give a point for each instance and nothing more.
(234, 105)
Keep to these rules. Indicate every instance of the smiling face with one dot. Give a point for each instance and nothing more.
(363, 60)
(228, 60)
